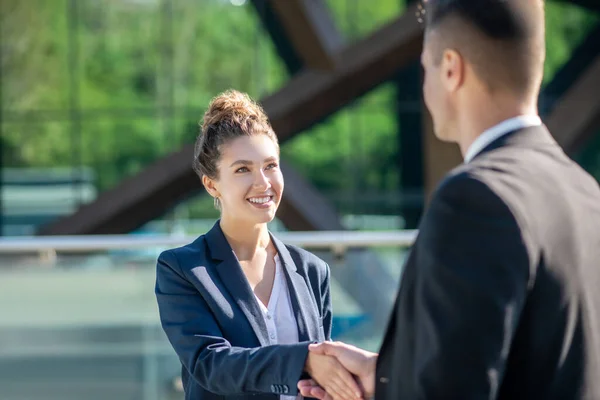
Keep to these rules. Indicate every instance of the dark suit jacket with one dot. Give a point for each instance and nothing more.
(500, 297)
(216, 327)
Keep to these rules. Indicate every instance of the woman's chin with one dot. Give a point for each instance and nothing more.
(268, 217)
(256, 216)
(265, 216)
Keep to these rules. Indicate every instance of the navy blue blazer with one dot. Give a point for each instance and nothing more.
(214, 323)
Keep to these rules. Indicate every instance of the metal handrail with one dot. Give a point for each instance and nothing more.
(335, 240)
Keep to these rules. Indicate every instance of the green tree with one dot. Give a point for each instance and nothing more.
(142, 75)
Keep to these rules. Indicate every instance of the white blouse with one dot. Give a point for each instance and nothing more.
(279, 315)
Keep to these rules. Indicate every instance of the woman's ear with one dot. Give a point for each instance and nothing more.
(209, 185)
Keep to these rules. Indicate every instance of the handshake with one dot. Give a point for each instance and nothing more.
(339, 372)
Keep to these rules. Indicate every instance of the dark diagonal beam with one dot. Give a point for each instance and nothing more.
(303, 208)
(135, 200)
(311, 29)
(308, 98)
(581, 58)
(576, 116)
(283, 45)
(304, 25)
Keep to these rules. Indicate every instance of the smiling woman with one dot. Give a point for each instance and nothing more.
(239, 306)
(237, 157)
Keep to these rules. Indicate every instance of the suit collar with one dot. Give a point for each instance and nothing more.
(217, 243)
(303, 303)
(232, 276)
(534, 136)
(499, 130)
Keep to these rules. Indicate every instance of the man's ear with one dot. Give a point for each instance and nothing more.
(452, 70)
(209, 185)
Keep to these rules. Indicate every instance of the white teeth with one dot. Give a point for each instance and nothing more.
(259, 200)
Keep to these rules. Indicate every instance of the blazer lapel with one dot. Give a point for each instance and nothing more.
(235, 281)
(305, 309)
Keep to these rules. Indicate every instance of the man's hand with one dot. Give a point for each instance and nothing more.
(360, 363)
(328, 373)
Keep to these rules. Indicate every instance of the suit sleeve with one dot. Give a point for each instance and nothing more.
(326, 312)
(471, 286)
(210, 359)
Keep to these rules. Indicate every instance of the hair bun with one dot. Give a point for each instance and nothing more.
(233, 108)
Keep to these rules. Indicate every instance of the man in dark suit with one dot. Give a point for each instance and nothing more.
(500, 298)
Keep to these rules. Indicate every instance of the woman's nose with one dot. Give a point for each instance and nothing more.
(261, 180)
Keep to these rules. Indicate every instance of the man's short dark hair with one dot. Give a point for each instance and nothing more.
(497, 19)
(503, 39)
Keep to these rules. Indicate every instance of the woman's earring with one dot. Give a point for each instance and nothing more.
(217, 203)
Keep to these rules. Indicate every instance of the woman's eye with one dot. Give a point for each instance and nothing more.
(272, 165)
(242, 169)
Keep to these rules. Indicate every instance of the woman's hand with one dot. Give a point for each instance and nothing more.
(360, 363)
(332, 377)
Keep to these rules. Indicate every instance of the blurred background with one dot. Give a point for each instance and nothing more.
(100, 102)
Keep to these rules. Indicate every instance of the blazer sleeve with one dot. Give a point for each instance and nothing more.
(210, 359)
(326, 312)
(471, 286)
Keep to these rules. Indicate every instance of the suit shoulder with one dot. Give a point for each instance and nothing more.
(485, 190)
(463, 180)
(479, 190)
(498, 179)
(195, 250)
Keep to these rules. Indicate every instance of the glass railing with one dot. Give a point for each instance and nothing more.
(79, 320)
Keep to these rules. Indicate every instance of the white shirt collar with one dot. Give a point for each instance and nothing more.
(497, 131)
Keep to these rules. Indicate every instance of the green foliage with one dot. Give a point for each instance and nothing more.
(139, 80)
(354, 149)
(142, 74)
(566, 26)
(356, 19)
